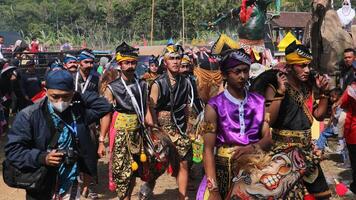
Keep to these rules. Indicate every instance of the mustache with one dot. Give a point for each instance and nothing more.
(130, 70)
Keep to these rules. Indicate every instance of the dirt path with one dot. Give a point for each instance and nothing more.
(166, 187)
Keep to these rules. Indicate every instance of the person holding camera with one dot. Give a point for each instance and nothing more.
(53, 134)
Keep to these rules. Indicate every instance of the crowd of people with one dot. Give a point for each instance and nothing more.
(256, 132)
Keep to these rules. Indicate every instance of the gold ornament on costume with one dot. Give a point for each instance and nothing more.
(134, 166)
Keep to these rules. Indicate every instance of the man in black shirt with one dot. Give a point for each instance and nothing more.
(30, 82)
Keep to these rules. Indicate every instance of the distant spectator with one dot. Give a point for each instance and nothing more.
(336, 121)
(35, 45)
(102, 63)
(30, 82)
(1, 46)
(66, 47)
(346, 68)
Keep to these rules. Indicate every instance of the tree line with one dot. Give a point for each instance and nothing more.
(101, 23)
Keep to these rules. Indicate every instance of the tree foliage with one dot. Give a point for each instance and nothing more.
(109, 21)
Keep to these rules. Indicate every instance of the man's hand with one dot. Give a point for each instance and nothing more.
(282, 82)
(322, 82)
(214, 195)
(241, 150)
(53, 159)
(101, 150)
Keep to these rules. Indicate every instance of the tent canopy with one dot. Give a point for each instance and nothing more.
(287, 40)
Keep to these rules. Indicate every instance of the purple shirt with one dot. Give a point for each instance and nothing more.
(239, 121)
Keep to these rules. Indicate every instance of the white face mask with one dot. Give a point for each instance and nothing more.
(61, 106)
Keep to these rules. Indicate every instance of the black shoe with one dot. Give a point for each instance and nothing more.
(353, 188)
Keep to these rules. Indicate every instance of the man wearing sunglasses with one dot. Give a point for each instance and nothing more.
(169, 99)
(85, 79)
(292, 112)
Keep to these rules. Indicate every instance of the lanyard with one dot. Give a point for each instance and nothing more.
(139, 109)
(73, 126)
(85, 85)
(191, 92)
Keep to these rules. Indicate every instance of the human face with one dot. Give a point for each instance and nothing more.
(128, 66)
(71, 66)
(237, 77)
(173, 63)
(349, 57)
(1, 40)
(86, 65)
(184, 69)
(334, 97)
(300, 71)
(56, 96)
(153, 68)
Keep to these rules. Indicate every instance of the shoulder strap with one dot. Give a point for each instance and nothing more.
(54, 132)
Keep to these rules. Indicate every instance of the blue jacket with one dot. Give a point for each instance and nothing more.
(30, 135)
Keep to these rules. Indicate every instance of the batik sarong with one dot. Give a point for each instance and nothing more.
(181, 142)
(224, 174)
(126, 149)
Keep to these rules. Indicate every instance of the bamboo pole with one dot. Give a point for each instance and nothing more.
(183, 31)
(152, 20)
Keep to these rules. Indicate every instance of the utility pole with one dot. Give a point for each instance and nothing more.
(152, 20)
(183, 31)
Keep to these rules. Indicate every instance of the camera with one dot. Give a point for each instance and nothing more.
(70, 156)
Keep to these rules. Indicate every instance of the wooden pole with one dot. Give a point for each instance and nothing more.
(183, 31)
(152, 20)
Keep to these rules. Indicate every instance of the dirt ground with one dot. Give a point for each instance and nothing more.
(166, 187)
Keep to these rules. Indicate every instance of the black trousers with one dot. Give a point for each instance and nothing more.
(319, 187)
(352, 153)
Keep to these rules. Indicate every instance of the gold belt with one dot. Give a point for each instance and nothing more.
(292, 136)
(225, 151)
(126, 122)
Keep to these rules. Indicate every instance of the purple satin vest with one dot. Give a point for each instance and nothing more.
(239, 121)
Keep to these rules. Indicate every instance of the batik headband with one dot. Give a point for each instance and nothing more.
(69, 58)
(186, 60)
(85, 55)
(234, 58)
(121, 57)
(298, 57)
(173, 51)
